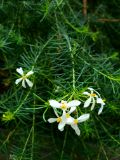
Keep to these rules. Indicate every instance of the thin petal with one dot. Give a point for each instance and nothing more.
(61, 125)
(99, 100)
(62, 129)
(64, 117)
(69, 120)
(54, 103)
(29, 73)
(83, 118)
(72, 109)
(100, 110)
(87, 102)
(23, 83)
(51, 120)
(18, 80)
(91, 89)
(20, 71)
(86, 93)
(64, 114)
(93, 104)
(73, 103)
(30, 84)
(76, 128)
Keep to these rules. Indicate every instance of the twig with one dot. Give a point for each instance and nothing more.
(84, 7)
(108, 20)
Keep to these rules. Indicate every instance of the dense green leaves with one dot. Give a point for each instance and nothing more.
(68, 52)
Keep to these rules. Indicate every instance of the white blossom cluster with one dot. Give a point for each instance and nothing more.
(67, 108)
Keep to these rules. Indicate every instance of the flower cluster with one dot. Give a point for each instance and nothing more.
(93, 98)
(67, 108)
(63, 117)
(66, 118)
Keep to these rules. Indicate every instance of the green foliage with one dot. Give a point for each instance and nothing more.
(68, 53)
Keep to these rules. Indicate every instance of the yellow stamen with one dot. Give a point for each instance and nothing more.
(67, 115)
(93, 94)
(24, 77)
(59, 119)
(63, 105)
(75, 121)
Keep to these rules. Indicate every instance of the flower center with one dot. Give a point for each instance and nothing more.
(24, 77)
(93, 95)
(59, 119)
(67, 115)
(63, 105)
(75, 121)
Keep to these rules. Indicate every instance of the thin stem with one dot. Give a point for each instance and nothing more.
(33, 132)
(101, 144)
(21, 103)
(65, 139)
(73, 65)
(26, 144)
(84, 7)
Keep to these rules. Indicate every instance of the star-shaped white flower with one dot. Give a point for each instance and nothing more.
(64, 105)
(74, 122)
(94, 97)
(61, 120)
(24, 77)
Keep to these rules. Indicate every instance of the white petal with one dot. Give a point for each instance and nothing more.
(18, 80)
(30, 84)
(51, 120)
(23, 83)
(99, 100)
(93, 104)
(73, 103)
(77, 130)
(91, 89)
(83, 118)
(62, 129)
(29, 73)
(63, 102)
(54, 103)
(72, 109)
(87, 102)
(20, 71)
(64, 115)
(70, 120)
(100, 110)
(86, 93)
(61, 125)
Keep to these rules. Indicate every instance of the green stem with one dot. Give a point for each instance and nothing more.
(73, 65)
(21, 103)
(26, 144)
(65, 139)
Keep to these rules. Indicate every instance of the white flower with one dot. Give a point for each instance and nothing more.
(74, 122)
(61, 120)
(24, 77)
(94, 97)
(64, 105)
